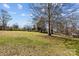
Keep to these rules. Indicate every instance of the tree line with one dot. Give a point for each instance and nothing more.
(47, 18)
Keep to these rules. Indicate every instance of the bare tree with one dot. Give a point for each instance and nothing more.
(41, 24)
(47, 10)
(5, 17)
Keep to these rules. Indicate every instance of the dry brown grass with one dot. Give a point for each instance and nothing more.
(33, 44)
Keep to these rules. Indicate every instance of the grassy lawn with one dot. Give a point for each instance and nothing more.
(34, 43)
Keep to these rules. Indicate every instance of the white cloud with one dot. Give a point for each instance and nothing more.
(75, 12)
(23, 14)
(70, 9)
(30, 14)
(6, 5)
(63, 14)
(43, 10)
(20, 6)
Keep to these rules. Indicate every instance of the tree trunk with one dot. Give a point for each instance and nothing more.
(49, 17)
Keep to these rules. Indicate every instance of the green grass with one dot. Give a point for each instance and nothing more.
(36, 44)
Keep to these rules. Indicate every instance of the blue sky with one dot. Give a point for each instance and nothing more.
(22, 15)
